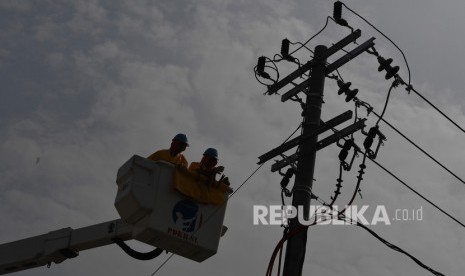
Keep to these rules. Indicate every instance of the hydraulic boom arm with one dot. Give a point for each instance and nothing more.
(57, 246)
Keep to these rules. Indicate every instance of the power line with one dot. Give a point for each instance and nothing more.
(413, 190)
(409, 86)
(308, 40)
(155, 272)
(419, 148)
(250, 176)
(286, 236)
(387, 101)
(385, 36)
(420, 195)
(398, 249)
(278, 248)
(380, 118)
(437, 109)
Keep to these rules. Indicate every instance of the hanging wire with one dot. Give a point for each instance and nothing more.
(287, 236)
(306, 42)
(437, 109)
(355, 117)
(302, 46)
(420, 149)
(403, 55)
(337, 192)
(417, 193)
(395, 83)
(361, 172)
(274, 68)
(390, 245)
(167, 259)
(370, 110)
(411, 189)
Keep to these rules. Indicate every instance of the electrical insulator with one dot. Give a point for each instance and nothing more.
(261, 64)
(285, 50)
(385, 64)
(369, 141)
(337, 12)
(351, 94)
(289, 173)
(285, 47)
(343, 87)
(261, 67)
(287, 177)
(284, 182)
(345, 151)
(370, 137)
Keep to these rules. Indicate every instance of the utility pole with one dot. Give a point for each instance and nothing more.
(312, 126)
(296, 245)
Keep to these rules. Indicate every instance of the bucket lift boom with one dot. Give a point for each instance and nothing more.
(151, 211)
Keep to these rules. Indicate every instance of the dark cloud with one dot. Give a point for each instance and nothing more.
(87, 84)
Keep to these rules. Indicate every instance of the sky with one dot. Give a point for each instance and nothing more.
(86, 84)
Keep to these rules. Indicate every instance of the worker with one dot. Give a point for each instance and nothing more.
(174, 153)
(207, 167)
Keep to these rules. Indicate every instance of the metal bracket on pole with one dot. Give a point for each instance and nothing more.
(333, 66)
(350, 55)
(296, 89)
(307, 66)
(340, 134)
(285, 162)
(321, 144)
(296, 141)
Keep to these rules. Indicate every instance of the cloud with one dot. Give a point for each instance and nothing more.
(88, 84)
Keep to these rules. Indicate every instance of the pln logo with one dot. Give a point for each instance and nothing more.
(187, 216)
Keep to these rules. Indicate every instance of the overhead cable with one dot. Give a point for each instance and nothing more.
(308, 40)
(410, 188)
(419, 148)
(420, 195)
(403, 55)
(394, 84)
(287, 236)
(398, 249)
(437, 109)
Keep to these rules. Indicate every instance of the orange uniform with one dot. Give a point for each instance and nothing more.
(165, 155)
(194, 166)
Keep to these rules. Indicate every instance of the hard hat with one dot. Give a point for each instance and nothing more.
(181, 138)
(211, 152)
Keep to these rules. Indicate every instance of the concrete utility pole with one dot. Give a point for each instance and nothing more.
(296, 245)
(308, 142)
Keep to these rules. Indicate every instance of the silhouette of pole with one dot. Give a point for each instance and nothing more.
(296, 245)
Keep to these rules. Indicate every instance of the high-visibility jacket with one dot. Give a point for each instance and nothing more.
(165, 155)
(194, 185)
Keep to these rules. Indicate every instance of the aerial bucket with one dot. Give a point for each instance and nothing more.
(170, 207)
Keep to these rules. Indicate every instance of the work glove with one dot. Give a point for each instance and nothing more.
(219, 169)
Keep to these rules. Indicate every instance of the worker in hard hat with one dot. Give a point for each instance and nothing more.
(207, 167)
(174, 153)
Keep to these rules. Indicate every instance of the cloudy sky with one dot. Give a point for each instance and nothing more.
(86, 84)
